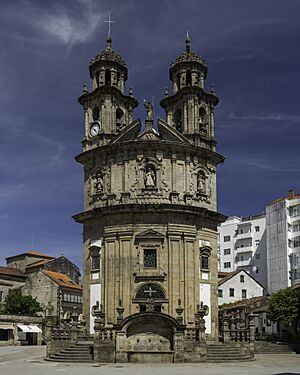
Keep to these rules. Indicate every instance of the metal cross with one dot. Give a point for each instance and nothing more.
(109, 21)
(150, 291)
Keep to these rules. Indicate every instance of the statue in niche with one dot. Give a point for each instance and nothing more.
(149, 109)
(98, 184)
(149, 177)
(201, 188)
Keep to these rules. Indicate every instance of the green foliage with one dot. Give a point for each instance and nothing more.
(284, 307)
(16, 303)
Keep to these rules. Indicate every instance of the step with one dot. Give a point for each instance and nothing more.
(68, 360)
(59, 355)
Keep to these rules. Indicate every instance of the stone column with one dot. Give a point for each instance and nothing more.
(251, 333)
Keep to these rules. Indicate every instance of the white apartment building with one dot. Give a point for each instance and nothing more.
(242, 245)
(283, 242)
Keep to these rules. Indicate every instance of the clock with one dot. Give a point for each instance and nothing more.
(95, 128)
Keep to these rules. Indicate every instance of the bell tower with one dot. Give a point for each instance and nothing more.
(190, 109)
(107, 109)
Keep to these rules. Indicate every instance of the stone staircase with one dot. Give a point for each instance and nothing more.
(265, 347)
(219, 352)
(75, 353)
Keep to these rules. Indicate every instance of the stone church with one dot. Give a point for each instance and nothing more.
(150, 215)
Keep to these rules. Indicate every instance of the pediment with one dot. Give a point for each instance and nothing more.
(170, 134)
(130, 133)
(150, 234)
(149, 134)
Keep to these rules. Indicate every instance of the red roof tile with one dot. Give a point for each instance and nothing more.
(61, 279)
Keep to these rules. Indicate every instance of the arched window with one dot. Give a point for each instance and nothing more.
(118, 78)
(178, 120)
(119, 117)
(178, 81)
(202, 114)
(188, 78)
(96, 113)
(153, 291)
(107, 77)
(97, 78)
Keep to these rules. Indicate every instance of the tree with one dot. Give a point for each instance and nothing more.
(284, 307)
(17, 303)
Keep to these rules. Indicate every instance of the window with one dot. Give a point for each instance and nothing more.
(220, 293)
(244, 293)
(227, 265)
(295, 210)
(296, 227)
(242, 258)
(257, 242)
(257, 256)
(231, 292)
(204, 262)
(227, 251)
(72, 298)
(242, 278)
(257, 270)
(297, 241)
(150, 258)
(226, 238)
(257, 228)
(241, 231)
(96, 262)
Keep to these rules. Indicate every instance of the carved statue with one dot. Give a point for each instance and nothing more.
(149, 109)
(149, 178)
(98, 183)
(201, 182)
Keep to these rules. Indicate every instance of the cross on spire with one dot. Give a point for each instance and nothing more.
(109, 21)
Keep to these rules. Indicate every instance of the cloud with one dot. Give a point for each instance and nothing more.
(282, 117)
(68, 29)
(66, 23)
(264, 164)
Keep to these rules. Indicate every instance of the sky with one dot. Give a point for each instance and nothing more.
(252, 48)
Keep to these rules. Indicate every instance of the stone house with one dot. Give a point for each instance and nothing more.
(56, 291)
(23, 260)
(10, 278)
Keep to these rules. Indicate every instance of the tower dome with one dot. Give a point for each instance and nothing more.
(108, 68)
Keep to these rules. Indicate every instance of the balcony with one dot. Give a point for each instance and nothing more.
(242, 236)
(244, 249)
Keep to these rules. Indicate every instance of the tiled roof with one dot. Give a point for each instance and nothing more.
(222, 274)
(38, 263)
(61, 279)
(34, 253)
(251, 302)
(229, 276)
(10, 271)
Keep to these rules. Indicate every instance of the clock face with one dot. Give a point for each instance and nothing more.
(95, 129)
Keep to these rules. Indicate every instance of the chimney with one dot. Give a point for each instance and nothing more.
(291, 194)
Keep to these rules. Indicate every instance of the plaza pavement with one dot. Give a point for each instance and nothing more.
(30, 361)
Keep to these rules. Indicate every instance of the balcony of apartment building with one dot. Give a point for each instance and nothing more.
(243, 232)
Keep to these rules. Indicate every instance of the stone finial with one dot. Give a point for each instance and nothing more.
(166, 91)
(84, 90)
(130, 91)
(212, 90)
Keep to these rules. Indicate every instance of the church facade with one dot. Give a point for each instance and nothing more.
(150, 214)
